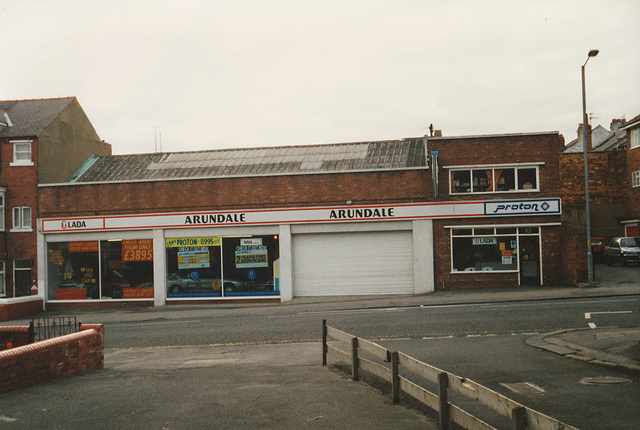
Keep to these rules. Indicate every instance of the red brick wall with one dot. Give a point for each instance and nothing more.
(53, 358)
(235, 193)
(607, 177)
(22, 190)
(633, 165)
(18, 335)
(13, 311)
(538, 148)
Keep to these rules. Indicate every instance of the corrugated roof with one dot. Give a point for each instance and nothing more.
(30, 117)
(284, 160)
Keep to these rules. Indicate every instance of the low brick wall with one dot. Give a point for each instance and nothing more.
(11, 309)
(54, 358)
(17, 335)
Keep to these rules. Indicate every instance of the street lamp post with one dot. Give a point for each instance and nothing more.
(585, 126)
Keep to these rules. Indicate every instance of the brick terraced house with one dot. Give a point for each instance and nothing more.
(614, 186)
(41, 141)
(631, 222)
(406, 216)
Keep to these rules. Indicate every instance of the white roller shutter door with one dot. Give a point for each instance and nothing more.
(353, 263)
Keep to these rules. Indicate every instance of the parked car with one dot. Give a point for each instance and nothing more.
(198, 281)
(623, 249)
(597, 248)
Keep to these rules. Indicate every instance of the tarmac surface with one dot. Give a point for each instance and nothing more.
(274, 386)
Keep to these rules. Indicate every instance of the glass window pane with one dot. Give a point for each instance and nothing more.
(527, 179)
(127, 269)
(250, 265)
(506, 230)
(486, 255)
(483, 231)
(194, 267)
(72, 271)
(482, 180)
(505, 180)
(461, 232)
(461, 181)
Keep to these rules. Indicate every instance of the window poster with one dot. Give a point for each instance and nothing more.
(137, 250)
(193, 257)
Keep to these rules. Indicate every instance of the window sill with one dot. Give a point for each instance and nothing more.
(25, 164)
(21, 230)
(475, 272)
(495, 192)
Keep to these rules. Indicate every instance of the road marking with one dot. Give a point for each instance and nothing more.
(587, 316)
(346, 312)
(7, 419)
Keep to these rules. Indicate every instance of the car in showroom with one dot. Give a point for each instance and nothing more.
(624, 250)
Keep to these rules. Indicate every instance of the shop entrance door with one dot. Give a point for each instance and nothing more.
(529, 260)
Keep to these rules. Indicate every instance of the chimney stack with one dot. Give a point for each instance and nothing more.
(580, 130)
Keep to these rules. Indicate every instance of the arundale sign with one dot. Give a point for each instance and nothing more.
(440, 210)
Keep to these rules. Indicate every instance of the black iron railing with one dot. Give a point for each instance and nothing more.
(47, 328)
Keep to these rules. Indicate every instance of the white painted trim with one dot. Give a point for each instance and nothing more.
(286, 263)
(159, 268)
(423, 268)
(484, 166)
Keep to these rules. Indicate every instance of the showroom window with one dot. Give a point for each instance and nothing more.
(487, 249)
(493, 179)
(222, 266)
(109, 269)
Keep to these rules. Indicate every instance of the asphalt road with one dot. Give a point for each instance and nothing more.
(212, 326)
(484, 342)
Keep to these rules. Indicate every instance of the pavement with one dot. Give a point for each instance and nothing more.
(275, 386)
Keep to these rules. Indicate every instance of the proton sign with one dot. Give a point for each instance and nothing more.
(523, 207)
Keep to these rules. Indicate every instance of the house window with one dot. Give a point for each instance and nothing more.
(3, 289)
(22, 153)
(635, 179)
(22, 218)
(635, 138)
(21, 278)
(2, 209)
(493, 179)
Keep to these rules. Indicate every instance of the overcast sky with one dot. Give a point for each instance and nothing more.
(225, 74)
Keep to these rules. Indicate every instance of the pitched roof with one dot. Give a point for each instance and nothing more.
(602, 140)
(400, 154)
(24, 118)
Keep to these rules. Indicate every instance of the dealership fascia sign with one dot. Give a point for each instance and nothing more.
(461, 209)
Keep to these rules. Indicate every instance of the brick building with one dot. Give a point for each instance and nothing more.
(631, 222)
(613, 198)
(405, 216)
(41, 141)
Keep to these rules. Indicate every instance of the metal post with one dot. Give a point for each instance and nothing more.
(585, 128)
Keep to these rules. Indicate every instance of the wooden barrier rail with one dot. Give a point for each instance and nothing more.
(520, 416)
